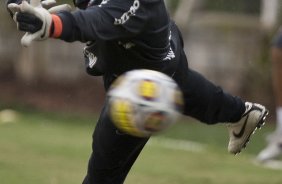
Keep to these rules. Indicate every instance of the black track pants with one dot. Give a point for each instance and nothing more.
(113, 153)
(205, 101)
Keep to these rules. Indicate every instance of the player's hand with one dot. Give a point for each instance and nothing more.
(14, 8)
(36, 20)
(33, 19)
(53, 8)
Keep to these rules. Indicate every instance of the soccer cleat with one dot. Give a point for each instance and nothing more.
(240, 132)
(272, 151)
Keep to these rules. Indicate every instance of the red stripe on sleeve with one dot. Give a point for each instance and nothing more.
(58, 26)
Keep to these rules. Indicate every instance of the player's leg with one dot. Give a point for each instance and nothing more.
(204, 100)
(210, 104)
(274, 147)
(113, 153)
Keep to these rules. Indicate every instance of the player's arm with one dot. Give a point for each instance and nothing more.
(114, 20)
(111, 20)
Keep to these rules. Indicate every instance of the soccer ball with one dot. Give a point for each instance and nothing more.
(144, 102)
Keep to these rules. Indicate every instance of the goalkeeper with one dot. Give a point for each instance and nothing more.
(123, 35)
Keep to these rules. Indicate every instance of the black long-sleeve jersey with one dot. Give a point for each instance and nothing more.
(122, 35)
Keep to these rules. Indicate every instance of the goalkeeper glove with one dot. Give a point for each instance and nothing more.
(38, 22)
(13, 8)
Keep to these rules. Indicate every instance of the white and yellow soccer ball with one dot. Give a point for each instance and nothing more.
(144, 102)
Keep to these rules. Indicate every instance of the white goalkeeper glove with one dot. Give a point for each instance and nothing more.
(35, 20)
(13, 5)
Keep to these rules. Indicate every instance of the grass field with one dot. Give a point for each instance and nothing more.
(46, 148)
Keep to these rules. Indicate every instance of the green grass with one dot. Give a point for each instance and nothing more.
(49, 148)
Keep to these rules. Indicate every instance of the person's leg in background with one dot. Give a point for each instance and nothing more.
(274, 147)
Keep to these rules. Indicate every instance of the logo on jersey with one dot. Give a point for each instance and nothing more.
(92, 58)
(170, 55)
(126, 16)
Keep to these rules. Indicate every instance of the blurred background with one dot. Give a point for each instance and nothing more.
(227, 41)
(56, 102)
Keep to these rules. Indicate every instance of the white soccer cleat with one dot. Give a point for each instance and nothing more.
(240, 132)
(272, 151)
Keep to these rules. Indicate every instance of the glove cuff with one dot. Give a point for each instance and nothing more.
(56, 27)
